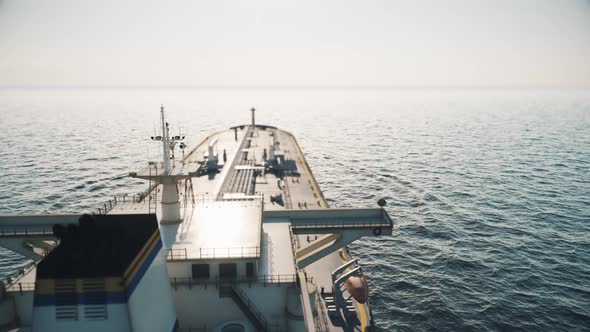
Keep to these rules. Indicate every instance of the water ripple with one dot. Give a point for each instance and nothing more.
(489, 190)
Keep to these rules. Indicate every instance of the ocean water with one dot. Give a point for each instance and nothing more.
(489, 189)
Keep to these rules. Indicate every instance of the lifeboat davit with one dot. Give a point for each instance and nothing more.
(358, 288)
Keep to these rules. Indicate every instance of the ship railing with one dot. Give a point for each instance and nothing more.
(192, 329)
(12, 284)
(148, 197)
(151, 199)
(339, 225)
(107, 206)
(21, 231)
(321, 319)
(266, 279)
(245, 299)
(21, 287)
(142, 198)
(182, 254)
(294, 244)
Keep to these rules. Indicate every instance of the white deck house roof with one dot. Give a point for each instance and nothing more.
(219, 230)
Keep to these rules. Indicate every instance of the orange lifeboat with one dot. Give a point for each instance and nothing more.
(358, 288)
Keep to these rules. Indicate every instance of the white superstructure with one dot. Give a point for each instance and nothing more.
(249, 240)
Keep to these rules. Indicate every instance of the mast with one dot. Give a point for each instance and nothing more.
(165, 143)
(168, 177)
(170, 201)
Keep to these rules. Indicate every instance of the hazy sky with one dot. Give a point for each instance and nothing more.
(303, 43)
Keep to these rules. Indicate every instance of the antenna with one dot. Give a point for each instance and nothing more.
(165, 142)
(170, 204)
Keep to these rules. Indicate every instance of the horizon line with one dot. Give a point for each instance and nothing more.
(285, 87)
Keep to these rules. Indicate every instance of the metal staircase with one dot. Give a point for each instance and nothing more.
(245, 304)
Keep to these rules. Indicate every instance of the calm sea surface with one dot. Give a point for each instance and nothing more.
(489, 189)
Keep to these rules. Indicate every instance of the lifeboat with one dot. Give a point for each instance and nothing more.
(357, 287)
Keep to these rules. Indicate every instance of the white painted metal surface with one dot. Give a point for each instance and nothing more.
(277, 252)
(217, 218)
(221, 229)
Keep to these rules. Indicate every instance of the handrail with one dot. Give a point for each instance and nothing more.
(7, 231)
(192, 329)
(11, 280)
(109, 205)
(182, 254)
(340, 225)
(261, 279)
(176, 282)
(112, 203)
(322, 320)
(21, 287)
(306, 308)
(246, 300)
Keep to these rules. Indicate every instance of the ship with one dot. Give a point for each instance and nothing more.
(231, 235)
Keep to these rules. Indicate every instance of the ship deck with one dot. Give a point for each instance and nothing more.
(238, 206)
(241, 177)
